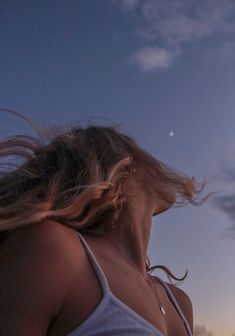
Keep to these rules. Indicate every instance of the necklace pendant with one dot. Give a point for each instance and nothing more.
(162, 310)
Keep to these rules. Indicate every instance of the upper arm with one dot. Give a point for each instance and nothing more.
(34, 277)
(184, 303)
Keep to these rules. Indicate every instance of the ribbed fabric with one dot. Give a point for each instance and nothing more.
(112, 317)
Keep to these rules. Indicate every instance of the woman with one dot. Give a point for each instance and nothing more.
(75, 222)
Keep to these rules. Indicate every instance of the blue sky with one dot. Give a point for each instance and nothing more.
(152, 66)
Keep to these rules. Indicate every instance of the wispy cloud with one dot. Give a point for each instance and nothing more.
(169, 25)
(150, 58)
(225, 202)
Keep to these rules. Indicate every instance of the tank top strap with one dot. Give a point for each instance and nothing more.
(176, 305)
(96, 266)
(105, 286)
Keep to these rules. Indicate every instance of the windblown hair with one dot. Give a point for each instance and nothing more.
(79, 178)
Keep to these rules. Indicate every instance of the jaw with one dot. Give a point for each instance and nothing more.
(160, 210)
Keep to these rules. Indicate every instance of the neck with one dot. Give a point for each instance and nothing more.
(132, 233)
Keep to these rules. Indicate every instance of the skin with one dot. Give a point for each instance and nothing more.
(49, 286)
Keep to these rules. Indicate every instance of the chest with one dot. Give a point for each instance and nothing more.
(130, 288)
(127, 286)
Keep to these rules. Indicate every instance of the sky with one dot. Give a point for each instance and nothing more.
(165, 71)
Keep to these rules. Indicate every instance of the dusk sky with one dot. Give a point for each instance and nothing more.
(165, 71)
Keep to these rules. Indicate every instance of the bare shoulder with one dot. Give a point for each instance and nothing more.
(184, 302)
(45, 238)
(48, 246)
(37, 268)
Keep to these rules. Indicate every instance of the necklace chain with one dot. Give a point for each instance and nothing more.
(162, 309)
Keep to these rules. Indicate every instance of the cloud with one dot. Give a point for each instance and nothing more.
(170, 25)
(225, 202)
(181, 21)
(153, 58)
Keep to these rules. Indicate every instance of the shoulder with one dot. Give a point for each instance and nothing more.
(40, 239)
(47, 246)
(184, 302)
(37, 265)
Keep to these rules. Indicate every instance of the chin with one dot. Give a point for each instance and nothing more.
(159, 211)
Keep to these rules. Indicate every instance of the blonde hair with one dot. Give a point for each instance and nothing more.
(79, 178)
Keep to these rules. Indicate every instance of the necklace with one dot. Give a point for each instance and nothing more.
(160, 305)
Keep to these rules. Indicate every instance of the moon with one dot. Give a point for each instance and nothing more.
(171, 134)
